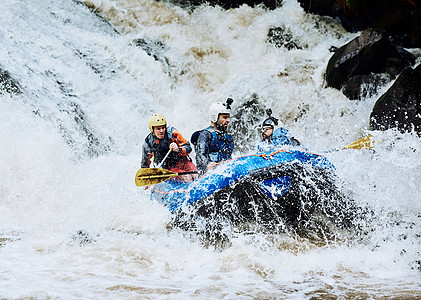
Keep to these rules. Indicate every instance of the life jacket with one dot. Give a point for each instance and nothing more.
(221, 146)
(281, 137)
(161, 147)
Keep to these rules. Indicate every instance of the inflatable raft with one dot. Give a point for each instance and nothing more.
(274, 187)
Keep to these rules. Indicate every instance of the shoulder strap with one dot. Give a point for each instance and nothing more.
(149, 140)
(195, 135)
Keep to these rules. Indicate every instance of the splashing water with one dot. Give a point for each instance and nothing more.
(74, 225)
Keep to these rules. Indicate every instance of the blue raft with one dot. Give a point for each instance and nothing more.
(283, 189)
(284, 185)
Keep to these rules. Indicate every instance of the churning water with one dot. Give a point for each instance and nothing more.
(74, 226)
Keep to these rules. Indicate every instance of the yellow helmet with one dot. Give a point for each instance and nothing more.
(156, 120)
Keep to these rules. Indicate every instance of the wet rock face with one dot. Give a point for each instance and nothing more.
(400, 19)
(157, 49)
(324, 8)
(367, 55)
(400, 106)
(281, 37)
(364, 86)
(271, 4)
(8, 84)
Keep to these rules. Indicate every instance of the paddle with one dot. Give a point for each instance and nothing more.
(363, 143)
(165, 157)
(150, 176)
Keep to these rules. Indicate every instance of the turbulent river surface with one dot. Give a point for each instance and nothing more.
(73, 225)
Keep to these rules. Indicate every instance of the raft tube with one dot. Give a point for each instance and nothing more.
(264, 167)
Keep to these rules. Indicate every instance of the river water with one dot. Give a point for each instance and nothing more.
(73, 225)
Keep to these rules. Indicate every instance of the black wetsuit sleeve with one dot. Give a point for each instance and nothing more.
(146, 151)
(202, 149)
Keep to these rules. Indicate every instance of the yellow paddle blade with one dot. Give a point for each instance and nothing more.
(150, 176)
(366, 142)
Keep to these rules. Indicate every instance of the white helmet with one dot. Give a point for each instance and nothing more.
(219, 108)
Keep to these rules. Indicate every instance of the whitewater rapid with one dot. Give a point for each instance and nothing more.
(74, 226)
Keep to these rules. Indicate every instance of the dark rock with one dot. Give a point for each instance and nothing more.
(94, 145)
(399, 19)
(364, 86)
(333, 49)
(154, 48)
(403, 59)
(157, 50)
(281, 37)
(271, 4)
(8, 84)
(371, 52)
(95, 11)
(332, 9)
(323, 7)
(400, 106)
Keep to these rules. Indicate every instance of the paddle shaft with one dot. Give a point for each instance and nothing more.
(165, 157)
(169, 175)
(189, 172)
